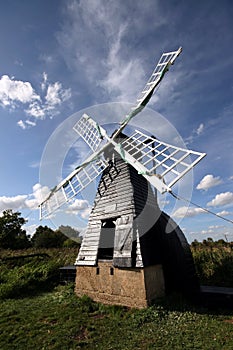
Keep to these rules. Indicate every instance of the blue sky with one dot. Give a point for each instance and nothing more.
(59, 57)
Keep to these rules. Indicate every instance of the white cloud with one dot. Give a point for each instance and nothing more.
(124, 77)
(79, 206)
(221, 199)
(187, 212)
(30, 230)
(208, 181)
(195, 133)
(44, 82)
(14, 203)
(204, 232)
(200, 129)
(105, 40)
(29, 122)
(21, 124)
(216, 227)
(223, 213)
(15, 94)
(36, 110)
(216, 232)
(37, 196)
(53, 94)
(24, 201)
(13, 91)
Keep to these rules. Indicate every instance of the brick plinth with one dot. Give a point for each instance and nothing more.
(133, 287)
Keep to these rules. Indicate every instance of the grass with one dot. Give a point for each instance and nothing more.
(214, 265)
(60, 320)
(28, 272)
(37, 313)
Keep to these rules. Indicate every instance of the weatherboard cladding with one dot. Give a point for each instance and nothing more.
(122, 195)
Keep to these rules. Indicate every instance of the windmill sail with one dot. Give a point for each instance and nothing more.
(90, 131)
(165, 61)
(73, 184)
(84, 174)
(160, 163)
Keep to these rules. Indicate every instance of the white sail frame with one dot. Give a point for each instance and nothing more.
(76, 182)
(160, 163)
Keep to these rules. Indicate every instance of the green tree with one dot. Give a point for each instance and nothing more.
(195, 244)
(221, 243)
(12, 236)
(45, 237)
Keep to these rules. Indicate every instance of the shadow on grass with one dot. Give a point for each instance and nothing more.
(201, 303)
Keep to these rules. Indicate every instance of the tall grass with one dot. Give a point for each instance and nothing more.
(27, 272)
(214, 265)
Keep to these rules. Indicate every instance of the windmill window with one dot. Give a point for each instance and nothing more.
(107, 236)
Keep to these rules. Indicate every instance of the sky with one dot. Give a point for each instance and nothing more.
(61, 57)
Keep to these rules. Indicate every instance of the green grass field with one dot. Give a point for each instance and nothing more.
(37, 313)
(60, 320)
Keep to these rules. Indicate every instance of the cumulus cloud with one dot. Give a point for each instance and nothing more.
(55, 95)
(15, 94)
(25, 201)
(79, 206)
(13, 91)
(209, 181)
(187, 212)
(221, 199)
(39, 193)
(36, 110)
(14, 203)
(37, 196)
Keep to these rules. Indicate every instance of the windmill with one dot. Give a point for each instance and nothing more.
(122, 260)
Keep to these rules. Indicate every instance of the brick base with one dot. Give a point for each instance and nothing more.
(133, 287)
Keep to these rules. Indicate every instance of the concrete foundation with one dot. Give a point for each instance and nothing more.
(132, 287)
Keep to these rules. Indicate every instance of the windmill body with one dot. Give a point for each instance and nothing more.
(126, 256)
(110, 264)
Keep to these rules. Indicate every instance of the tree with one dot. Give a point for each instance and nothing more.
(195, 244)
(45, 237)
(12, 236)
